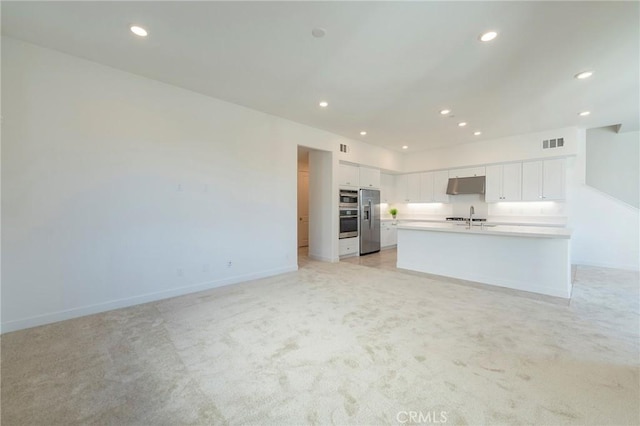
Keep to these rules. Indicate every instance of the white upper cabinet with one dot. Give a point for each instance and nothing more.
(504, 182)
(426, 187)
(532, 180)
(469, 172)
(408, 188)
(387, 188)
(369, 178)
(413, 188)
(433, 187)
(348, 175)
(553, 179)
(543, 180)
(440, 182)
(401, 195)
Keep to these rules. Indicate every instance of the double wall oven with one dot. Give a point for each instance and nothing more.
(348, 213)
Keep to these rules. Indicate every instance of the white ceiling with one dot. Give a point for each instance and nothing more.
(384, 67)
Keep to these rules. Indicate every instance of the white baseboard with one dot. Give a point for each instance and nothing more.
(625, 267)
(136, 300)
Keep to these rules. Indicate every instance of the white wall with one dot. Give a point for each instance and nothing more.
(513, 148)
(323, 205)
(118, 189)
(606, 231)
(613, 163)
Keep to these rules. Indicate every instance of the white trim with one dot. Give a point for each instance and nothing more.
(137, 300)
(624, 267)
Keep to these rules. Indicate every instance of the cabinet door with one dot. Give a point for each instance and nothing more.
(440, 182)
(470, 172)
(532, 181)
(385, 235)
(387, 188)
(401, 189)
(553, 176)
(426, 187)
(369, 178)
(388, 235)
(511, 181)
(413, 188)
(493, 189)
(348, 246)
(394, 234)
(348, 175)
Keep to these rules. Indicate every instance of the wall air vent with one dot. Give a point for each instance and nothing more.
(344, 148)
(553, 143)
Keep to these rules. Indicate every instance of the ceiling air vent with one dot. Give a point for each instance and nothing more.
(344, 148)
(553, 143)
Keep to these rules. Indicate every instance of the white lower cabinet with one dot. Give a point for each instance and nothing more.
(348, 246)
(388, 234)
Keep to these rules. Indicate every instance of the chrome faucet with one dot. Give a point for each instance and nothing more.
(472, 211)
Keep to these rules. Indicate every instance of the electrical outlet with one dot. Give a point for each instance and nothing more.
(229, 264)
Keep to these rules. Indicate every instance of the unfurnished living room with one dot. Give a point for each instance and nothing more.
(320, 213)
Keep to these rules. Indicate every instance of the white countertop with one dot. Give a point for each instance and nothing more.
(493, 220)
(502, 230)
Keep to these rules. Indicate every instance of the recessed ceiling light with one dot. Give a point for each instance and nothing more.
(324, 104)
(318, 32)
(139, 31)
(478, 133)
(445, 111)
(363, 133)
(405, 147)
(584, 74)
(462, 124)
(584, 113)
(488, 36)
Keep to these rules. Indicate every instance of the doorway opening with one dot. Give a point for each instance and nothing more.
(303, 199)
(317, 218)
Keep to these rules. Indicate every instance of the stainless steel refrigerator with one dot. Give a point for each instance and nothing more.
(369, 200)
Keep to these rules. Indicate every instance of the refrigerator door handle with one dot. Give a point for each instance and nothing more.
(371, 213)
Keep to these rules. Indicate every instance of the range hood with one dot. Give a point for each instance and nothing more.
(466, 185)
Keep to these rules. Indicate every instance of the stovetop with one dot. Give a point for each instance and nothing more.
(460, 219)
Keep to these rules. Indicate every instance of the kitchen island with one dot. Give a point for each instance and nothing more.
(528, 258)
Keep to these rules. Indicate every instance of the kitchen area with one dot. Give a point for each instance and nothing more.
(496, 224)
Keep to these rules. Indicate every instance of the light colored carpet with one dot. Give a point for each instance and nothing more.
(337, 344)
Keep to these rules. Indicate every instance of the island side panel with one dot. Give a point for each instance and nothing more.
(539, 265)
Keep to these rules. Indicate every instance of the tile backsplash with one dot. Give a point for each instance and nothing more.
(459, 206)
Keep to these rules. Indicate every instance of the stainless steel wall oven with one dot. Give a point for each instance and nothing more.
(348, 222)
(348, 213)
